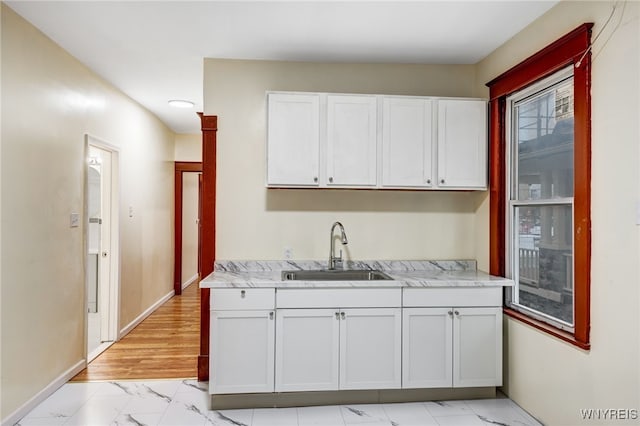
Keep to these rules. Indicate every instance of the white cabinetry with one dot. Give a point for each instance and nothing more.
(370, 348)
(293, 149)
(407, 142)
(376, 141)
(351, 140)
(242, 341)
(307, 348)
(462, 144)
(447, 346)
(320, 348)
(477, 347)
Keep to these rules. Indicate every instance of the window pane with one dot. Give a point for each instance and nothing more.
(544, 135)
(544, 260)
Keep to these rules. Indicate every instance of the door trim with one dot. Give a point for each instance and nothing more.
(181, 167)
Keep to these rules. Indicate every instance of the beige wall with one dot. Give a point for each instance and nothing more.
(256, 223)
(188, 147)
(551, 379)
(54, 101)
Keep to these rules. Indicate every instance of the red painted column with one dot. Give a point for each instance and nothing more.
(209, 126)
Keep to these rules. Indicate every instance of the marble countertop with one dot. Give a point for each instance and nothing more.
(417, 273)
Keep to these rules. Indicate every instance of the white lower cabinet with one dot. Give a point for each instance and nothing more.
(477, 347)
(370, 348)
(241, 358)
(338, 349)
(307, 349)
(459, 347)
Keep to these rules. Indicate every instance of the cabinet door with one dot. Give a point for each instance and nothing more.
(427, 348)
(307, 349)
(351, 140)
(407, 142)
(477, 353)
(293, 141)
(462, 144)
(242, 347)
(370, 348)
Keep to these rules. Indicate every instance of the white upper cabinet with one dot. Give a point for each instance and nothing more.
(293, 147)
(376, 141)
(462, 144)
(407, 142)
(351, 140)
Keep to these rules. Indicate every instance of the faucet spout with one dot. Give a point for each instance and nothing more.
(333, 260)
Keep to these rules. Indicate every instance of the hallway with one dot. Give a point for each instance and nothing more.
(163, 346)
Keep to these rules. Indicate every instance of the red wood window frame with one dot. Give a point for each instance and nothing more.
(572, 49)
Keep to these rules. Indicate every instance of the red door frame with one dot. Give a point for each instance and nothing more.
(181, 167)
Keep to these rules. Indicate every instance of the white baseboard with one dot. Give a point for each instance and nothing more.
(190, 281)
(145, 314)
(45, 393)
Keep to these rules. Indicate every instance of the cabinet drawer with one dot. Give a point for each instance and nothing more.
(452, 296)
(340, 298)
(242, 299)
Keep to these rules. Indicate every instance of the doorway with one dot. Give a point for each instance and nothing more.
(102, 246)
(188, 186)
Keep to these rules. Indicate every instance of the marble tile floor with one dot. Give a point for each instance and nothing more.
(184, 403)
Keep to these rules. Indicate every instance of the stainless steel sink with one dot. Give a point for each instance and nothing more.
(335, 275)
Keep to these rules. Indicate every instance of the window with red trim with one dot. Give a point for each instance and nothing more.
(540, 182)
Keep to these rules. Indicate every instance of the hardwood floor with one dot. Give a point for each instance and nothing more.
(164, 346)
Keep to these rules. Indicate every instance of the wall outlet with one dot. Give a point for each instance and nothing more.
(74, 220)
(288, 252)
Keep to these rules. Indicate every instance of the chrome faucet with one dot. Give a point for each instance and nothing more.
(333, 260)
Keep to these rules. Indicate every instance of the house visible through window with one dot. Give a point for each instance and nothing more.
(540, 199)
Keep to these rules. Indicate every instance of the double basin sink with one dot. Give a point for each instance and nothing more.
(335, 275)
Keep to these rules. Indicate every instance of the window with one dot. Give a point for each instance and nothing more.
(539, 134)
(540, 187)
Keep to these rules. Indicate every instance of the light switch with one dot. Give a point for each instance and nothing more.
(74, 220)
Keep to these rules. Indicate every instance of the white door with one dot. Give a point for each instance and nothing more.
(293, 142)
(462, 144)
(307, 349)
(407, 135)
(242, 347)
(351, 140)
(477, 347)
(370, 348)
(427, 347)
(102, 246)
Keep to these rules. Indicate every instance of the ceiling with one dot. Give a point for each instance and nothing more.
(153, 50)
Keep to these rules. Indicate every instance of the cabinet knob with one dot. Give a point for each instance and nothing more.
(337, 315)
(331, 179)
(456, 312)
(429, 181)
(450, 313)
(315, 179)
(343, 315)
(243, 294)
(441, 180)
(270, 315)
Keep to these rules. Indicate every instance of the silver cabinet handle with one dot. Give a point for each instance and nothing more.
(315, 178)
(429, 181)
(456, 312)
(343, 315)
(270, 315)
(243, 294)
(337, 315)
(441, 180)
(331, 179)
(450, 313)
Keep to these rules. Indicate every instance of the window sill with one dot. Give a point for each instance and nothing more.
(546, 328)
